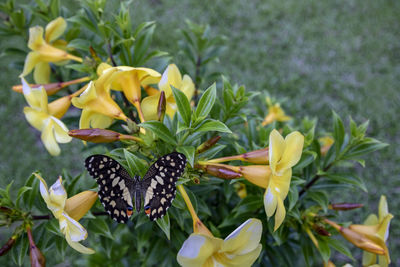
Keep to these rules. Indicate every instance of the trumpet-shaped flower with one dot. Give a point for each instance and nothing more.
(43, 116)
(44, 50)
(129, 80)
(241, 248)
(68, 211)
(377, 227)
(170, 77)
(275, 113)
(98, 108)
(283, 155)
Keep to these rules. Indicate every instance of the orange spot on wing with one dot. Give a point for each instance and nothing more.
(129, 212)
(147, 211)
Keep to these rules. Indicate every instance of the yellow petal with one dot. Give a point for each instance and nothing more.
(149, 107)
(36, 118)
(280, 184)
(55, 29)
(171, 108)
(88, 95)
(58, 195)
(36, 98)
(292, 153)
(49, 139)
(244, 239)
(61, 131)
(243, 260)
(280, 213)
(197, 249)
(41, 75)
(368, 258)
(91, 119)
(44, 191)
(187, 87)
(102, 67)
(79, 247)
(276, 149)
(383, 208)
(35, 38)
(31, 60)
(270, 202)
(170, 77)
(77, 206)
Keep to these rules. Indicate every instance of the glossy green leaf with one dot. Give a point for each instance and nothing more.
(183, 105)
(206, 102)
(338, 133)
(160, 130)
(165, 225)
(189, 152)
(99, 226)
(213, 125)
(137, 166)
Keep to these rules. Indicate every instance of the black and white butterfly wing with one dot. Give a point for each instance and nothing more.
(115, 186)
(159, 184)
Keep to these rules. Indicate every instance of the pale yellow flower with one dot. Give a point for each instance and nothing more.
(377, 227)
(241, 248)
(44, 50)
(98, 108)
(275, 113)
(283, 155)
(170, 77)
(42, 116)
(68, 211)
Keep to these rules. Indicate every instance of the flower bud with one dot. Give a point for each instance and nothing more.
(95, 135)
(37, 258)
(257, 157)
(220, 170)
(345, 206)
(207, 144)
(77, 206)
(161, 107)
(52, 88)
(320, 230)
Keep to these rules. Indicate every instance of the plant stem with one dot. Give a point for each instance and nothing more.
(314, 180)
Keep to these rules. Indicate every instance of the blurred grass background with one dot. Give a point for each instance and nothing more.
(320, 55)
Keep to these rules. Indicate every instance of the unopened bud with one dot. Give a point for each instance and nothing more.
(161, 107)
(320, 230)
(52, 88)
(37, 258)
(207, 144)
(345, 206)
(219, 170)
(95, 135)
(257, 157)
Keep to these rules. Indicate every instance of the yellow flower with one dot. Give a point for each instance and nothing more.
(241, 248)
(98, 108)
(68, 211)
(283, 155)
(259, 156)
(44, 50)
(42, 116)
(129, 80)
(275, 113)
(378, 227)
(170, 77)
(326, 142)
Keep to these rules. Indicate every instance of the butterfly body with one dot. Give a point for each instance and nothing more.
(117, 188)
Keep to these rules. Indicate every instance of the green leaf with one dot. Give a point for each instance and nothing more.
(321, 198)
(53, 227)
(21, 192)
(206, 102)
(164, 224)
(366, 146)
(213, 125)
(347, 178)
(99, 226)
(183, 105)
(340, 246)
(136, 165)
(306, 159)
(324, 249)
(188, 151)
(20, 249)
(338, 133)
(160, 130)
(81, 44)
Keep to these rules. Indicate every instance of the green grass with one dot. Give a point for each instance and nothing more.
(320, 55)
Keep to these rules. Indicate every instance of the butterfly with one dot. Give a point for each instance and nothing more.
(117, 188)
